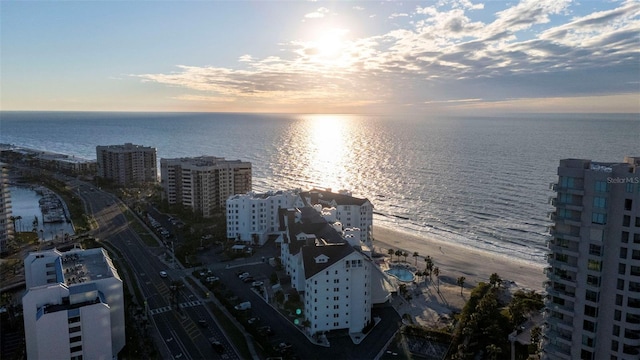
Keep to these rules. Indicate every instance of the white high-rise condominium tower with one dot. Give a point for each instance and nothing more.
(74, 305)
(593, 302)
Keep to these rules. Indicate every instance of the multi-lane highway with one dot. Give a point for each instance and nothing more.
(180, 334)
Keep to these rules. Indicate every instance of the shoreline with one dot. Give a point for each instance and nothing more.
(455, 260)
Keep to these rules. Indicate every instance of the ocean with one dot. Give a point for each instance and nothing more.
(481, 182)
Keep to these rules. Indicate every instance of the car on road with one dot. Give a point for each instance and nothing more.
(203, 323)
(248, 279)
(216, 345)
(243, 306)
(212, 279)
(163, 274)
(284, 347)
(265, 330)
(244, 275)
(253, 320)
(257, 283)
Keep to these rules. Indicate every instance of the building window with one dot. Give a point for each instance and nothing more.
(636, 238)
(624, 237)
(587, 341)
(602, 186)
(591, 295)
(628, 203)
(593, 280)
(599, 202)
(590, 311)
(626, 220)
(594, 265)
(618, 296)
(614, 345)
(586, 355)
(76, 348)
(629, 187)
(616, 330)
(617, 316)
(622, 269)
(595, 250)
(598, 218)
(566, 182)
(589, 326)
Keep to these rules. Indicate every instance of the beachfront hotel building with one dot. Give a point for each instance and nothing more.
(204, 183)
(332, 277)
(74, 305)
(351, 212)
(593, 289)
(127, 164)
(6, 225)
(252, 217)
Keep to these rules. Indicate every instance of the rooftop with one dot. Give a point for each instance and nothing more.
(82, 266)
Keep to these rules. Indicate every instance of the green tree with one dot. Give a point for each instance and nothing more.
(391, 252)
(415, 255)
(495, 280)
(405, 254)
(398, 254)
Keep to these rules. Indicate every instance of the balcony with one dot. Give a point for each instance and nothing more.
(557, 264)
(563, 309)
(556, 249)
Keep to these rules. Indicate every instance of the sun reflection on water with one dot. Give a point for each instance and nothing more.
(330, 156)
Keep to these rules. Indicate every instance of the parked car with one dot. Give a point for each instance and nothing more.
(253, 320)
(163, 274)
(248, 279)
(243, 275)
(203, 323)
(257, 283)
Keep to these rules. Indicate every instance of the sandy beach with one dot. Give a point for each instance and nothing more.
(430, 307)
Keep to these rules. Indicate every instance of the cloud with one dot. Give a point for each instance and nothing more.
(320, 13)
(446, 56)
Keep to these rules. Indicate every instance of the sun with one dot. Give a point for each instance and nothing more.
(329, 45)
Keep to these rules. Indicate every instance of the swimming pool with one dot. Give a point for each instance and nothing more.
(403, 275)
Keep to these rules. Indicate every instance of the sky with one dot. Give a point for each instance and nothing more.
(442, 57)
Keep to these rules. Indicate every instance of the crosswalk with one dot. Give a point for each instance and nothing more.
(181, 305)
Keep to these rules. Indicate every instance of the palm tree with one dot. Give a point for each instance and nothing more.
(460, 283)
(436, 272)
(390, 252)
(428, 265)
(415, 255)
(398, 254)
(405, 254)
(495, 280)
(493, 351)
